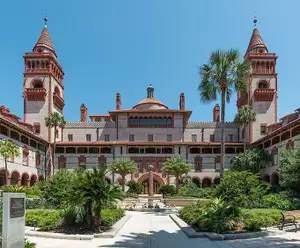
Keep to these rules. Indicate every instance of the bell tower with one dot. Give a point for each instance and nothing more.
(262, 87)
(43, 85)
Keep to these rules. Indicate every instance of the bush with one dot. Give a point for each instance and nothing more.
(188, 189)
(38, 203)
(276, 201)
(28, 244)
(134, 187)
(167, 190)
(256, 219)
(190, 213)
(72, 216)
(45, 219)
(111, 216)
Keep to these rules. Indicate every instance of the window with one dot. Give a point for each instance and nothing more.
(243, 133)
(263, 128)
(169, 137)
(88, 137)
(131, 137)
(150, 137)
(56, 134)
(37, 127)
(263, 85)
(230, 137)
(70, 137)
(179, 149)
(212, 138)
(106, 137)
(194, 137)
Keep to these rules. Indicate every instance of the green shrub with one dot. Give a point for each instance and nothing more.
(72, 216)
(276, 201)
(111, 216)
(188, 189)
(256, 219)
(167, 190)
(38, 203)
(190, 213)
(45, 219)
(134, 187)
(28, 244)
(131, 195)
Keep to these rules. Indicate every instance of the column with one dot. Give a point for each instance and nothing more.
(151, 180)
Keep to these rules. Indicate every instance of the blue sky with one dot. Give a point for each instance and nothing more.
(122, 46)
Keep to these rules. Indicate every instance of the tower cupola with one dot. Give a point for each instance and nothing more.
(150, 91)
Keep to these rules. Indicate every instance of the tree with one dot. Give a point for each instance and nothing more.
(91, 186)
(289, 171)
(8, 149)
(55, 120)
(123, 167)
(251, 160)
(245, 116)
(223, 74)
(176, 167)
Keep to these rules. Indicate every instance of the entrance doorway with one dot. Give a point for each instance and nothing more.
(156, 186)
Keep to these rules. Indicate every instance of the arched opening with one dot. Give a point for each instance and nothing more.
(2, 177)
(196, 181)
(15, 177)
(206, 182)
(14, 135)
(295, 131)
(41, 178)
(56, 90)
(82, 150)
(275, 178)
(263, 84)
(3, 130)
(33, 180)
(37, 84)
(217, 181)
(266, 178)
(157, 181)
(24, 179)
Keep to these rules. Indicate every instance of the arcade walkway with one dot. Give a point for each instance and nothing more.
(157, 230)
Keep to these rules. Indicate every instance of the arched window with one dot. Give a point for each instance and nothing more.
(169, 121)
(37, 84)
(160, 121)
(263, 84)
(131, 121)
(165, 121)
(56, 90)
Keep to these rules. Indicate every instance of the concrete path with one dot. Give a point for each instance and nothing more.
(157, 230)
(147, 230)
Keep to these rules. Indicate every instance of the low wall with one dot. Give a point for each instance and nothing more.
(182, 202)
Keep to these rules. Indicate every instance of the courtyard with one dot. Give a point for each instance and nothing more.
(157, 230)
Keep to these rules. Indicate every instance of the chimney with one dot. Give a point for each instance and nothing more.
(118, 101)
(181, 102)
(216, 113)
(83, 113)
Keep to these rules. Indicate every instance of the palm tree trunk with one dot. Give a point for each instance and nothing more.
(222, 133)
(244, 138)
(123, 183)
(177, 184)
(54, 147)
(88, 215)
(97, 219)
(5, 161)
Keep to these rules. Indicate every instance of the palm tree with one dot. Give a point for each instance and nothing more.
(245, 116)
(92, 187)
(123, 167)
(223, 74)
(8, 149)
(55, 120)
(176, 167)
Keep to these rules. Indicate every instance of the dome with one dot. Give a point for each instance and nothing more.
(150, 103)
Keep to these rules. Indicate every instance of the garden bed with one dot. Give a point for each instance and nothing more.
(50, 220)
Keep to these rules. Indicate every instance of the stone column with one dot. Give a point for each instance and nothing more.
(151, 180)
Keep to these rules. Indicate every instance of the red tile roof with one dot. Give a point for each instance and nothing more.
(45, 40)
(256, 41)
(150, 101)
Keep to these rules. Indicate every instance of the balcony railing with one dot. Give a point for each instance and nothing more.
(33, 94)
(58, 101)
(264, 95)
(243, 100)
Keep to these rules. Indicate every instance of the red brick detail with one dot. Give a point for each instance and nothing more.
(264, 95)
(118, 101)
(33, 94)
(82, 159)
(37, 127)
(83, 113)
(216, 113)
(101, 159)
(182, 102)
(155, 178)
(58, 101)
(243, 100)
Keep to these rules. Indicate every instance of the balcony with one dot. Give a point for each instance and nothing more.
(35, 94)
(243, 100)
(264, 95)
(58, 101)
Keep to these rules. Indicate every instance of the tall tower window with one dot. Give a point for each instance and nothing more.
(263, 84)
(212, 138)
(194, 137)
(150, 137)
(106, 137)
(169, 137)
(70, 137)
(131, 137)
(88, 137)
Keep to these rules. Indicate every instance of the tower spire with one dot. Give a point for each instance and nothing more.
(44, 43)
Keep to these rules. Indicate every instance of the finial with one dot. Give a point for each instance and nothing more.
(254, 20)
(45, 18)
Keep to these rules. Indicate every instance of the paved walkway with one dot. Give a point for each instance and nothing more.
(157, 230)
